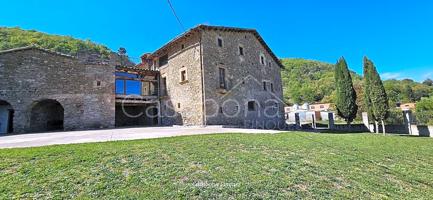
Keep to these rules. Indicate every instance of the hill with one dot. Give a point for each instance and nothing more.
(17, 37)
(313, 81)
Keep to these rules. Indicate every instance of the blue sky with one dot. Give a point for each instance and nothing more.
(397, 35)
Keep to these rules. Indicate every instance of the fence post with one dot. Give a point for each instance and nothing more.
(330, 120)
(367, 122)
(408, 120)
(297, 121)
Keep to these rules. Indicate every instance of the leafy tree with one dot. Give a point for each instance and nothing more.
(346, 95)
(309, 81)
(377, 94)
(424, 111)
(408, 94)
(314, 81)
(428, 82)
(426, 104)
(16, 37)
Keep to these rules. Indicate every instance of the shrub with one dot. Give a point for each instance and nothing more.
(396, 117)
(424, 117)
(424, 111)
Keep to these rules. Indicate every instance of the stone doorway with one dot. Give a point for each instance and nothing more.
(6, 117)
(46, 115)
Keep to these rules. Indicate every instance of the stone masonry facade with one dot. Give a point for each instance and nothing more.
(209, 75)
(32, 75)
(200, 100)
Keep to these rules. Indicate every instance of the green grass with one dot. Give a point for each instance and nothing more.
(245, 166)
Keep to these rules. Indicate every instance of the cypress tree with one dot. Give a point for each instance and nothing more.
(367, 100)
(378, 97)
(346, 95)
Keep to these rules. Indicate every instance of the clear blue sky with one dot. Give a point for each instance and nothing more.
(397, 35)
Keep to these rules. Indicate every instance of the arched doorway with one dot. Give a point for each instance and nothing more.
(6, 117)
(46, 115)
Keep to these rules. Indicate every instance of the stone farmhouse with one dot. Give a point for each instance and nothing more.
(209, 75)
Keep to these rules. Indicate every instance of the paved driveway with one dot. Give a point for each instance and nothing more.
(44, 139)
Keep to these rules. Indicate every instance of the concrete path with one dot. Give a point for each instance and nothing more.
(72, 137)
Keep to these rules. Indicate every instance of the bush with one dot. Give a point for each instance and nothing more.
(424, 111)
(424, 117)
(396, 117)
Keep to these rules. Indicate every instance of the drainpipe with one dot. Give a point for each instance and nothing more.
(203, 96)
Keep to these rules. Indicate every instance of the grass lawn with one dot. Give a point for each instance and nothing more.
(246, 166)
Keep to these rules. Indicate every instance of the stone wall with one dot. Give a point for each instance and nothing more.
(183, 103)
(86, 92)
(244, 77)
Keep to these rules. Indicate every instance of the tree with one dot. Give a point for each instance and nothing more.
(424, 111)
(346, 95)
(16, 37)
(367, 85)
(408, 94)
(122, 55)
(428, 82)
(377, 94)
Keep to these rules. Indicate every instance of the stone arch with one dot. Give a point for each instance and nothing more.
(6, 117)
(46, 115)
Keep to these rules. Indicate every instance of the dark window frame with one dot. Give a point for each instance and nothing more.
(220, 42)
(164, 86)
(183, 75)
(251, 106)
(222, 78)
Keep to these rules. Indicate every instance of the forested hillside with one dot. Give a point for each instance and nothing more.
(313, 81)
(16, 37)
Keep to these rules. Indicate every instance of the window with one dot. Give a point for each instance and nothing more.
(251, 106)
(241, 50)
(220, 42)
(312, 107)
(133, 87)
(120, 86)
(128, 87)
(222, 78)
(164, 86)
(183, 74)
(178, 105)
(264, 86)
(221, 110)
(322, 106)
(163, 60)
(272, 87)
(182, 46)
(262, 59)
(98, 83)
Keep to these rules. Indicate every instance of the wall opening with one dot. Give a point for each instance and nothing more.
(6, 117)
(46, 115)
(136, 115)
